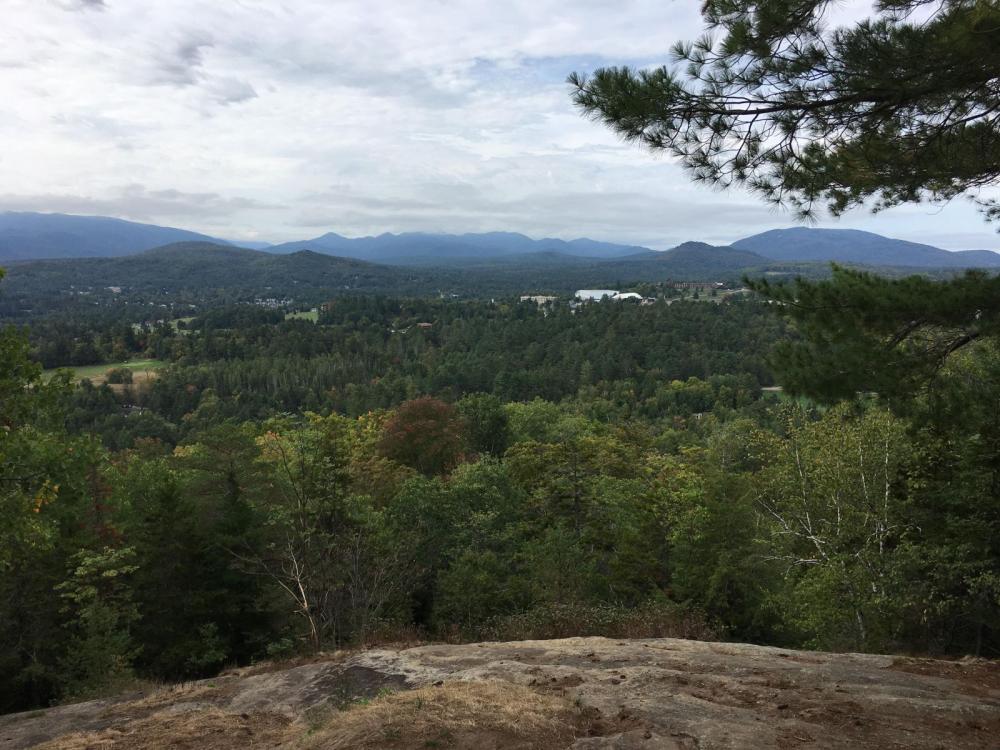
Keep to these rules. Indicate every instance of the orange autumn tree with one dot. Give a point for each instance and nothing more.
(426, 434)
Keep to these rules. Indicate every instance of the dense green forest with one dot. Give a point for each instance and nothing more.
(374, 353)
(461, 469)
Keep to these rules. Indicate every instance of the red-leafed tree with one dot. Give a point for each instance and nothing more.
(426, 434)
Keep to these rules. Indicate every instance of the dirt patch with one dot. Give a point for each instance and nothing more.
(142, 380)
(459, 715)
(195, 730)
(978, 676)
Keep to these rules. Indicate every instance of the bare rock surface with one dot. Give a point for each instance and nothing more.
(655, 693)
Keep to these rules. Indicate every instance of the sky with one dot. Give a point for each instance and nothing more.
(277, 120)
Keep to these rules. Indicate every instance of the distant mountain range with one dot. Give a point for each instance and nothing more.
(414, 248)
(33, 236)
(804, 244)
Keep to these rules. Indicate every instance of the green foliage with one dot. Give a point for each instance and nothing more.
(861, 332)
(717, 564)
(47, 513)
(98, 597)
(893, 109)
(652, 493)
(928, 350)
(119, 375)
(832, 488)
(486, 423)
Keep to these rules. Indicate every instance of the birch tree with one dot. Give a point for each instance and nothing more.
(830, 501)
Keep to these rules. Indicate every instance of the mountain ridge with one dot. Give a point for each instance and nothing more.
(42, 236)
(809, 244)
(26, 236)
(420, 248)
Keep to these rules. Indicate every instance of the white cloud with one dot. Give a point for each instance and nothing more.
(139, 203)
(285, 119)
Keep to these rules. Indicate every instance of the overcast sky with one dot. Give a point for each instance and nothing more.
(284, 119)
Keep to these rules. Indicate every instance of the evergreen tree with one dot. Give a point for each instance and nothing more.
(895, 108)
(862, 332)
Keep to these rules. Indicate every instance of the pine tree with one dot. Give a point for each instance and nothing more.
(895, 109)
(860, 332)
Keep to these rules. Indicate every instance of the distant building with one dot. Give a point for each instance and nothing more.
(425, 325)
(538, 299)
(626, 295)
(595, 295)
(272, 303)
(702, 285)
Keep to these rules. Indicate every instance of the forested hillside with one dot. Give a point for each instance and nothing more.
(457, 470)
(172, 281)
(179, 277)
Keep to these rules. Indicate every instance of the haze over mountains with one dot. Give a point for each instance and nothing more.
(805, 244)
(418, 248)
(34, 236)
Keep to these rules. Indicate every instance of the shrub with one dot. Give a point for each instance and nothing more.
(119, 376)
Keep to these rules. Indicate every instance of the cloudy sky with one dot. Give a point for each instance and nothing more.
(284, 119)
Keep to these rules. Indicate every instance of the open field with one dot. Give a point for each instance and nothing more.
(312, 315)
(143, 370)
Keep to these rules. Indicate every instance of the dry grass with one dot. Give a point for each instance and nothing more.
(142, 380)
(195, 730)
(286, 662)
(457, 715)
(161, 696)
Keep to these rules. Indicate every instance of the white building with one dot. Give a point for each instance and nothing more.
(594, 295)
(626, 295)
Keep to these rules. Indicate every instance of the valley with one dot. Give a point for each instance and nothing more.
(500, 376)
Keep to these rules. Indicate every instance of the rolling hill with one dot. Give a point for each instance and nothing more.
(30, 236)
(182, 275)
(698, 260)
(197, 266)
(854, 246)
(193, 274)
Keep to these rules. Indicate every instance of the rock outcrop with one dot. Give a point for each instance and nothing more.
(655, 693)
